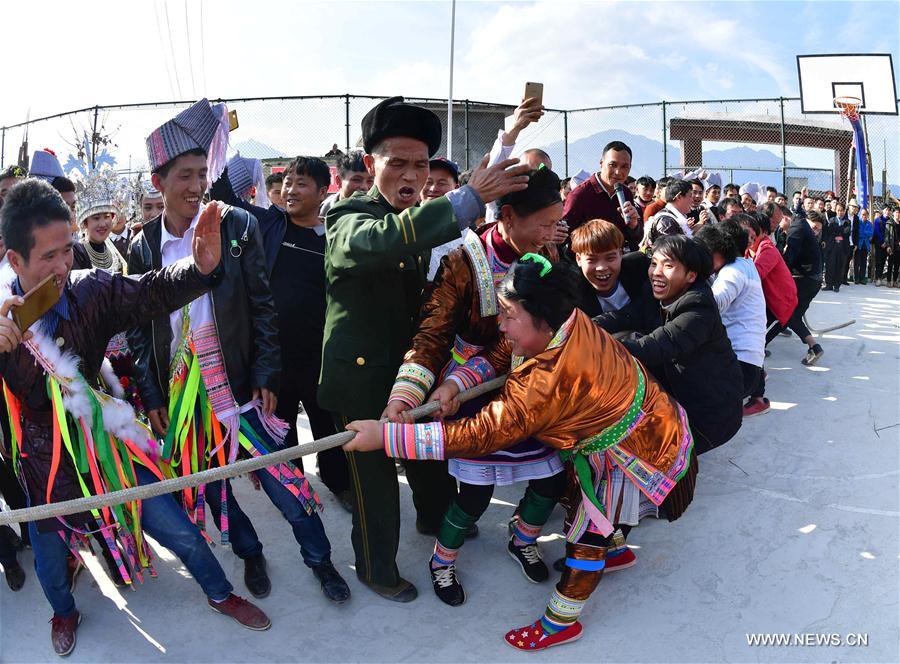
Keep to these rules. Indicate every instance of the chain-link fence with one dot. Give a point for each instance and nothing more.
(768, 141)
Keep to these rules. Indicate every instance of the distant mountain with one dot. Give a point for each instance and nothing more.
(648, 157)
(255, 150)
(648, 160)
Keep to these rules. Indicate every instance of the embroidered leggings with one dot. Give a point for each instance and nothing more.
(473, 499)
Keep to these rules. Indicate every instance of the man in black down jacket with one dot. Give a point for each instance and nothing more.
(685, 345)
(803, 255)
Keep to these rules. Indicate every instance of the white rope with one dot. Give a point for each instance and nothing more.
(88, 503)
(94, 502)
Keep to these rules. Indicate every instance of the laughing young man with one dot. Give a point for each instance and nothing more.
(230, 338)
(93, 305)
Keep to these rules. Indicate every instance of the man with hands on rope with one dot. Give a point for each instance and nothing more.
(49, 375)
(376, 262)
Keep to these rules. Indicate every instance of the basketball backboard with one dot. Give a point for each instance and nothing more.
(869, 77)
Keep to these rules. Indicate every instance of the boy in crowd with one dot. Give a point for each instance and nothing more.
(352, 177)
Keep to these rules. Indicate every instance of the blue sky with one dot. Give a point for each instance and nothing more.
(587, 54)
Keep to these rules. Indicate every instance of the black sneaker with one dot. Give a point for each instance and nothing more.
(256, 578)
(446, 586)
(812, 356)
(15, 576)
(529, 559)
(333, 585)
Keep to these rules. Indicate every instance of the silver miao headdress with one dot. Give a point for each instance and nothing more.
(101, 191)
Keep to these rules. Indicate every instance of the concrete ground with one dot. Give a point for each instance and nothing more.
(793, 530)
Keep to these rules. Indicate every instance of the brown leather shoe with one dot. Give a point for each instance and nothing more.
(62, 633)
(247, 614)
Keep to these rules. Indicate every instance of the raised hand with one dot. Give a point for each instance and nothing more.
(500, 179)
(530, 110)
(207, 244)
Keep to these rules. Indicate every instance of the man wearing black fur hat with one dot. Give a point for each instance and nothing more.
(378, 249)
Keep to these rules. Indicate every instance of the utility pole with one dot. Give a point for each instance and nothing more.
(450, 95)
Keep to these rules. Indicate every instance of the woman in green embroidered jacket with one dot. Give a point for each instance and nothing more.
(626, 420)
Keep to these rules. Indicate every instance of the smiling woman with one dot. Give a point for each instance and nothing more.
(96, 210)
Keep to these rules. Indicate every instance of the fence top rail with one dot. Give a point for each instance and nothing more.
(347, 96)
(187, 102)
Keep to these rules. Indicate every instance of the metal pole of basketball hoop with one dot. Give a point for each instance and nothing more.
(847, 106)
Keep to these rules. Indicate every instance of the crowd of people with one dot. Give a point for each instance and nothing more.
(201, 309)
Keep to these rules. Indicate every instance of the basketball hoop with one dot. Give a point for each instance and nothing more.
(848, 106)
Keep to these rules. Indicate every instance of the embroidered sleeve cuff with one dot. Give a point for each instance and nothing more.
(412, 384)
(421, 442)
(475, 371)
(467, 205)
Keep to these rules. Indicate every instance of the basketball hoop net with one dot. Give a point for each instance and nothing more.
(848, 107)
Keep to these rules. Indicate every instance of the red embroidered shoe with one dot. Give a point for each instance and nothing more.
(619, 561)
(532, 637)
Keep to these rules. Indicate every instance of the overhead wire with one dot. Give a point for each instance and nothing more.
(202, 50)
(187, 31)
(162, 48)
(172, 48)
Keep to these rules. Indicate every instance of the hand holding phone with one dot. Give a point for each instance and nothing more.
(38, 301)
(10, 336)
(534, 91)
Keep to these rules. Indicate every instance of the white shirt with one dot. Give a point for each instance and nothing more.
(615, 300)
(739, 295)
(174, 249)
(499, 152)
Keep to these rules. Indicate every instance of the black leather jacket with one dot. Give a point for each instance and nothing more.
(243, 311)
(99, 305)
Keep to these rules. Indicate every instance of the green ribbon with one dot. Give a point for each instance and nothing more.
(602, 441)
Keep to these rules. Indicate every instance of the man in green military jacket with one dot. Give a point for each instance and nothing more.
(378, 249)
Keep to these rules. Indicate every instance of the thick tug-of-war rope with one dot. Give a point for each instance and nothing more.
(112, 498)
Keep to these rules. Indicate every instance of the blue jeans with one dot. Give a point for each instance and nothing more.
(164, 520)
(308, 529)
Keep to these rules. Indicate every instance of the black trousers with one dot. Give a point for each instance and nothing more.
(893, 266)
(807, 287)
(12, 492)
(475, 498)
(376, 510)
(754, 380)
(860, 260)
(333, 469)
(880, 260)
(835, 266)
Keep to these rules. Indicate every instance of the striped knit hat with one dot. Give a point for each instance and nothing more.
(203, 126)
(245, 173)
